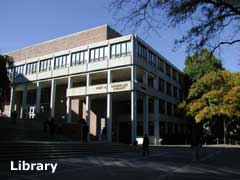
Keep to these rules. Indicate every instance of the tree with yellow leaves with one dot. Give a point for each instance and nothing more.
(214, 96)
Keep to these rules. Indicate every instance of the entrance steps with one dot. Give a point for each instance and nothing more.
(45, 150)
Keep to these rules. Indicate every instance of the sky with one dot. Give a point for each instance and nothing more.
(27, 22)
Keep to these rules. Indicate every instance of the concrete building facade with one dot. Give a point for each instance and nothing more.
(119, 86)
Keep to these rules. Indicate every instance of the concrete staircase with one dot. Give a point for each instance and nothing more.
(46, 150)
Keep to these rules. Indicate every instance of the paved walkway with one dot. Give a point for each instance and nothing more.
(166, 163)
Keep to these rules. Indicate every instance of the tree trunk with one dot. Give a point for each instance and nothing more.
(224, 131)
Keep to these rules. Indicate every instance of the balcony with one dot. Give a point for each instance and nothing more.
(77, 91)
(120, 86)
(100, 89)
(97, 89)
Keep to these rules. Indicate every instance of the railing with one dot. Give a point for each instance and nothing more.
(100, 88)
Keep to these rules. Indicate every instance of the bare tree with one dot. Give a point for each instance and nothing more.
(209, 19)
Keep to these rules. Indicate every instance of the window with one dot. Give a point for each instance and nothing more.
(60, 62)
(32, 68)
(161, 85)
(169, 89)
(120, 49)
(162, 106)
(113, 51)
(152, 58)
(78, 58)
(142, 51)
(45, 65)
(98, 54)
(174, 74)
(150, 81)
(168, 70)
(169, 108)
(180, 78)
(19, 70)
(161, 65)
(175, 92)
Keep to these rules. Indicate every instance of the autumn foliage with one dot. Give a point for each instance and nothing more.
(217, 94)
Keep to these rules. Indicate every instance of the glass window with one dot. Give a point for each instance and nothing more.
(31, 68)
(175, 92)
(161, 65)
(169, 89)
(162, 106)
(97, 54)
(152, 58)
(161, 85)
(120, 49)
(113, 51)
(128, 47)
(19, 70)
(101, 53)
(169, 108)
(174, 74)
(60, 62)
(45, 65)
(142, 51)
(123, 48)
(105, 52)
(168, 70)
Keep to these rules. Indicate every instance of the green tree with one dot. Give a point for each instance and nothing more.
(201, 63)
(208, 20)
(5, 62)
(215, 95)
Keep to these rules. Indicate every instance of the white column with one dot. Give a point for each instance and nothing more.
(38, 97)
(145, 114)
(156, 120)
(109, 109)
(12, 101)
(133, 106)
(69, 108)
(88, 104)
(24, 102)
(109, 118)
(52, 100)
(88, 112)
(88, 82)
(133, 116)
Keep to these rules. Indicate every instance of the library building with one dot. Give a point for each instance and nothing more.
(116, 86)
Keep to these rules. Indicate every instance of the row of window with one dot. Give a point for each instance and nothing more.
(96, 54)
(152, 59)
(78, 58)
(170, 89)
(167, 108)
(120, 49)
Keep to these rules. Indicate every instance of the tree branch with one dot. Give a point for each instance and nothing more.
(225, 43)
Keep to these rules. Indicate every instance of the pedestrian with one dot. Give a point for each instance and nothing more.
(145, 145)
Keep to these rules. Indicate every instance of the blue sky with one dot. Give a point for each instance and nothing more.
(26, 22)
